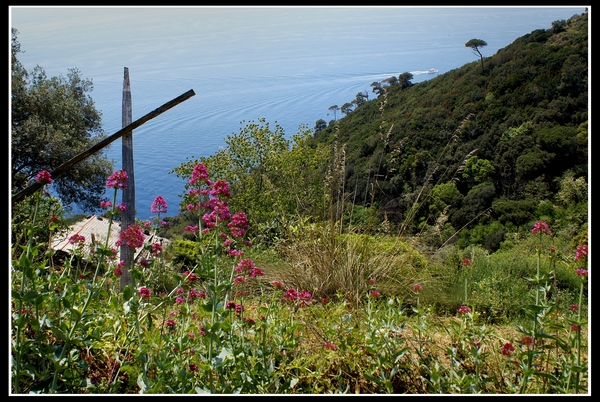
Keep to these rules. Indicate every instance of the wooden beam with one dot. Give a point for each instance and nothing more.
(32, 188)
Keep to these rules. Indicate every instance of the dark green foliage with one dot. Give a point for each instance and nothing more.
(53, 120)
(526, 116)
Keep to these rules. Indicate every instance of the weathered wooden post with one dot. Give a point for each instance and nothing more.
(128, 216)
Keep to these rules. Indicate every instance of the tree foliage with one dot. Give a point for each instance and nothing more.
(509, 135)
(53, 120)
(272, 178)
(477, 44)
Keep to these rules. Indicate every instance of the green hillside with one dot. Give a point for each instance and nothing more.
(504, 145)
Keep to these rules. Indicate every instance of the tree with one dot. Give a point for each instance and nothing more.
(347, 108)
(361, 98)
(404, 80)
(377, 88)
(334, 109)
(53, 120)
(320, 125)
(391, 81)
(476, 44)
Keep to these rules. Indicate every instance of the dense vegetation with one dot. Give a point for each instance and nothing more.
(511, 141)
(432, 241)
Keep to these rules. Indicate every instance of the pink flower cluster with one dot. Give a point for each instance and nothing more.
(247, 267)
(43, 177)
(464, 310)
(159, 206)
(581, 252)
(541, 227)
(303, 298)
(132, 237)
(77, 240)
(117, 180)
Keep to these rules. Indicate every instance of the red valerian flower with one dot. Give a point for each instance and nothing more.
(417, 288)
(132, 237)
(144, 292)
(105, 204)
(508, 349)
(541, 227)
(159, 206)
(581, 252)
(199, 173)
(464, 310)
(329, 346)
(77, 239)
(466, 261)
(43, 177)
(117, 180)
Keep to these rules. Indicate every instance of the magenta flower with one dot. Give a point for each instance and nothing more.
(53, 219)
(466, 261)
(118, 271)
(117, 180)
(105, 204)
(156, 250)
(277, 284)
(245, 265)
(144, 292)
(193, 367)
(508, 349)
(43, 177)
(199, 173)
(417, 288)
(574, 307)
(256, 272)
(329, 346)
(581, 252)
(575, 327)
(581, 272)
(541, 227)
(239, 280)
(374, 293)
(192, 277)
(121, 207)
(132, 237)
(220, 187)
(77, 240)
(159, 206)
(464, 310)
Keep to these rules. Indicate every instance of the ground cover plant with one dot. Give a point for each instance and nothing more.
(327, 311)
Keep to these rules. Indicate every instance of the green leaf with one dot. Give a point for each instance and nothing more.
(127, 292)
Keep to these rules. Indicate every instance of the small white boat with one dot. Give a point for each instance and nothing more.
(432, 70)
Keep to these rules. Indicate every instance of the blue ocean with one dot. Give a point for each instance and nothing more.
(287, 65)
